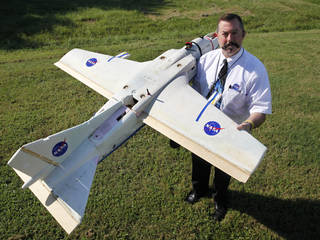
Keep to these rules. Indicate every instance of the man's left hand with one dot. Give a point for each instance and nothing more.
(245, 126)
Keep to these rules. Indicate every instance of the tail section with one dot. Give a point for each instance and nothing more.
(59, 169)
(68, 201)
(37, 159)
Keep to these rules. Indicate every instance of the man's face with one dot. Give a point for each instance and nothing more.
(230, 37)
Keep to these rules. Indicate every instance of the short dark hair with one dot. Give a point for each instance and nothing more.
(229, 17)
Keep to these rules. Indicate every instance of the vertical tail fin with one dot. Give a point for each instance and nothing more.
(68, 201)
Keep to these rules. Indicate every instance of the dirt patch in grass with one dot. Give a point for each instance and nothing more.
(192, 14)
(195, 14)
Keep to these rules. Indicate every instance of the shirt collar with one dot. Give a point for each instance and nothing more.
(231, 60)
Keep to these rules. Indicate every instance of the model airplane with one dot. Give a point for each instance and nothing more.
(59, 169)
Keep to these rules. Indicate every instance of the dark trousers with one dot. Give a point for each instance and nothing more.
(200, 179)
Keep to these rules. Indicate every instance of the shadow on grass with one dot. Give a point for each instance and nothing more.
(25, 18)
(292, 219)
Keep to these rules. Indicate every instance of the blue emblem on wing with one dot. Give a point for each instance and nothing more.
(91, 62)
(59, 149)
(212, 128)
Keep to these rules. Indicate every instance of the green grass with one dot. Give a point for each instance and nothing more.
(138, 191)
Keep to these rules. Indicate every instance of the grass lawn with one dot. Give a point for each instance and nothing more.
(138, 191)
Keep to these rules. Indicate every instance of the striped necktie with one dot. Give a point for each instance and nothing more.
(219, 84)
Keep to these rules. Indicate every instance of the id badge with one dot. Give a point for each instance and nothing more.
(216, 97)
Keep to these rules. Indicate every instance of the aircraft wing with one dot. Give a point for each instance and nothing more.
(103, 73)
(179, 112)
(183, 115)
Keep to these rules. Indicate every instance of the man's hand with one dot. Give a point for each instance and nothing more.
(245, 126)
(254, 121)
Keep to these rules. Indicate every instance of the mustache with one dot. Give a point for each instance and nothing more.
(230, 44)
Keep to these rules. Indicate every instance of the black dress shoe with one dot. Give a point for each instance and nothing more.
(193, 197)
(220, 211)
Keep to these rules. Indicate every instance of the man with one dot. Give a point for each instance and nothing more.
(243, 84)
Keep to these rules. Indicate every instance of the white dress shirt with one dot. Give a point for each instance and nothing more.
(247, 88)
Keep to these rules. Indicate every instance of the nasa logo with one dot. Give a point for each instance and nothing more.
(59, 149)
(91, 62)
(212, 128)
